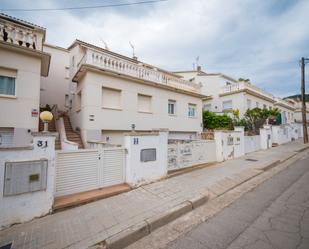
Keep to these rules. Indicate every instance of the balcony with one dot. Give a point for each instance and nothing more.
(17, 34)
(244, 86)
(128, 67)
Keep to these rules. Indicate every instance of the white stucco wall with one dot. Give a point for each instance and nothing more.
(280, 134)
(211, 86)
(24, 207)
(138, 172)
(252, 143)
(15, 112)
(183, 154)
(57, 84)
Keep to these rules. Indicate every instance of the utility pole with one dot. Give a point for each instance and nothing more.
(303, 99)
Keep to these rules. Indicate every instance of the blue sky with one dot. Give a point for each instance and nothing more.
(255, 39)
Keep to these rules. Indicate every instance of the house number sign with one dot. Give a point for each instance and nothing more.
(42, 144)
(135, 140)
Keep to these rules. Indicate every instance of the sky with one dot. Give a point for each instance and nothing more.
(262, 40)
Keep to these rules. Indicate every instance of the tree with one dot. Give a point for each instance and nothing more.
(257, 117)
(244, 80)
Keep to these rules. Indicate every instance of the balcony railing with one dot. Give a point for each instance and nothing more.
(135, 70)
(20, 36)
(242, 86)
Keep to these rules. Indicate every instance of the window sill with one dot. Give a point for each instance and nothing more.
(8, 96)
(111, 108)
(172, 115)
(192, 117)
(145, 112)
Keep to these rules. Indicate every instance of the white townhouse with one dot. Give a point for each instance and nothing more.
(298, 109)
(107, 94)
(22, 63)
(227, 93)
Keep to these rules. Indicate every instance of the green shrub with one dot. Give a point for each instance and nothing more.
(213, 121)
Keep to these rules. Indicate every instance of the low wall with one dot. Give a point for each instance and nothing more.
(252, 143)
(281, 134)
(25, 191)
(146, 158)
(266, 139)
(229, 144)
(183, 154)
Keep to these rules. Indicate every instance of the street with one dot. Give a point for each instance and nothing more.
(274, 215)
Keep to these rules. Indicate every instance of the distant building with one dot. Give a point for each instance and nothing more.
(227, 93)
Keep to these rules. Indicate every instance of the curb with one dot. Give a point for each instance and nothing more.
(144, 228)
(303, 149)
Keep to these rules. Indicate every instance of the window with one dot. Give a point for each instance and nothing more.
(144, 103)
(78, 101)
(73, 61)
(257, 104)
(7, 81)
(227, 105)
(7, 85)
(111, 98)
(264, 106)
(6, 137)
(248, 103)
(207, 107)
(192, 110)
(67, 72)
(171, 107)
(66, 100)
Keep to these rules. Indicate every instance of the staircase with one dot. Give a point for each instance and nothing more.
(51, 128)
(72, 135)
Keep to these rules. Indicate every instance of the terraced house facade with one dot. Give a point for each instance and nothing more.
(22, 64)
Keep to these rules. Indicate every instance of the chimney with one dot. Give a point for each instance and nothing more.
(199, 68)
(135, 57)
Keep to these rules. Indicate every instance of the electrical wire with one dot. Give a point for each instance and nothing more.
(86, 7)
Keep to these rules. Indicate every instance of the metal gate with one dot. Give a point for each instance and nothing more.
(111, 166)
(83, 170)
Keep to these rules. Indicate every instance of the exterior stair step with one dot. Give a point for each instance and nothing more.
(72, 135)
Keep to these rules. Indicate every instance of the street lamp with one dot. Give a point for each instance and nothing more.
(46, 117)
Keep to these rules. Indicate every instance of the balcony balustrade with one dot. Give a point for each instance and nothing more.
(138, 70)
(21, 36)
(233, 87)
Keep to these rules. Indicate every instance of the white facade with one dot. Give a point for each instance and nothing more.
(115, 94)
(22, 63)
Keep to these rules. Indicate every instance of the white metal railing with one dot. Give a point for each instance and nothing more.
(136, 70)
(20, 36)
(244, 85)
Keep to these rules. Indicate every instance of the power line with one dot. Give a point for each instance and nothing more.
(87, 7)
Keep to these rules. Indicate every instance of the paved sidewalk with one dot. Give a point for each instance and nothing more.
(86, 225)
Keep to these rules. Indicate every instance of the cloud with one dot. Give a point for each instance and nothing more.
(260, 40)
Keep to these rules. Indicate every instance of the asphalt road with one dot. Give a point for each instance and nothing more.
(274, 215)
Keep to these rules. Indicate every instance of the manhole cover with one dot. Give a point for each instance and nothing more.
(7, 246)
(251, 160)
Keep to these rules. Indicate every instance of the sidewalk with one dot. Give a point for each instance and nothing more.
(86, 225)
